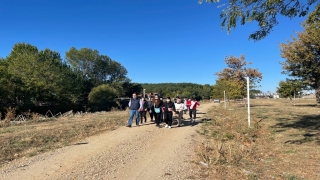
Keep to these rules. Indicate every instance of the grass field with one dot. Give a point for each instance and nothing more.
(282, 143)
(33, 137)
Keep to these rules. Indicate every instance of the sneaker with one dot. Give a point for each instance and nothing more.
(178, 125)
(169, 127)
(128, 126)
(166, 126)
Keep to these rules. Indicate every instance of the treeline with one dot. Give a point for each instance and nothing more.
(188, 90)
(38, 80)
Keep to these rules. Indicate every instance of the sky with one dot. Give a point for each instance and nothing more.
(157, 41)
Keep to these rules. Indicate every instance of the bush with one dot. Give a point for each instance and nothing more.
(102, 97)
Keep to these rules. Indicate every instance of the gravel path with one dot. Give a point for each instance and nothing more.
(144, 152)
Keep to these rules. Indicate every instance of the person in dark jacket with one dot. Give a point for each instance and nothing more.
(143, 111)
(168, 109)
(156, 109)
(134, 104)
(149, 102)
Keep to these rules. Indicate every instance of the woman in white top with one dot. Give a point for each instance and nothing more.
(179, 110)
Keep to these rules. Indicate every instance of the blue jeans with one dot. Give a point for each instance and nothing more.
(132, 113)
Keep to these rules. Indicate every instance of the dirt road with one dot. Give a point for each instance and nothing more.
(144, 152)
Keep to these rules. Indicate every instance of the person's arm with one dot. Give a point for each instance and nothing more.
(129, 103)
(174, 108)
(140, 101)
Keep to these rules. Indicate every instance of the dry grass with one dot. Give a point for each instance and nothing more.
(38, 136)
(8, 117)
(282, 143)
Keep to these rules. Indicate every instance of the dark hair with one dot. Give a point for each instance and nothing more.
(168, 98)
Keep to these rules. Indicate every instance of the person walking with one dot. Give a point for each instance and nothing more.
(149, 105)
(134, 104)
(185, 103)
(193, 110)
(161, 112)
(143, 111)
(188, 104)
(156, 109)
(179, 109)
(168, 109)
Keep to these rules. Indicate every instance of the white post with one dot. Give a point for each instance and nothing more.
(294, 98)
(144, 93)
(224, 94)
(248, 97)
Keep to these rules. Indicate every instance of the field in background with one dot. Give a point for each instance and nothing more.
(282, 143)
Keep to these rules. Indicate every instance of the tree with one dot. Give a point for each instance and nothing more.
(264, 12)
(237, 71)
(302, 54)
(207, 91)
(32, 71)
(7, 88)
(233, 89)
(37, 76)
(99, 69)
(289, 88)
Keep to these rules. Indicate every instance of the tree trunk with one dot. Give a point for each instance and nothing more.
(318, 96)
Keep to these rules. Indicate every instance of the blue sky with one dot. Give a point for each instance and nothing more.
(157, 41)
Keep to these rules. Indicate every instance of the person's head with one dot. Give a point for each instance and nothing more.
(178, 100)
(142, 98)
(168, 99)
(134, 95)
(156, 97)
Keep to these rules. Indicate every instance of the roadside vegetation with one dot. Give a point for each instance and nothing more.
(282, 143)
(38, 135)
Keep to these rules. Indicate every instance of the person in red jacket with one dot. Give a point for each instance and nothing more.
(188, 104)
(193, 110)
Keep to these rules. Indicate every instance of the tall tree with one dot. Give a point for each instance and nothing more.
(264, 12)
(41, 76)
(7, 88)
(99, 69)
(237, 72)
(302, 54)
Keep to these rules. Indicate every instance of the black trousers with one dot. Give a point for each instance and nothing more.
(168, 118)
(157, 117)
(192, 112)
(151, 114)
(143, 115)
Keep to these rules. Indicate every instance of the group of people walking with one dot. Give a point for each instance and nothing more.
(160, 110)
